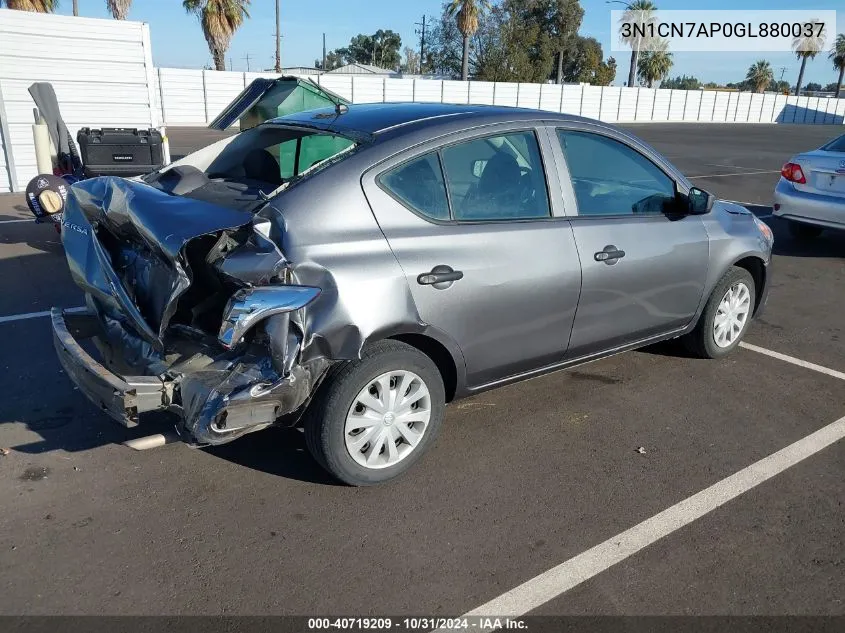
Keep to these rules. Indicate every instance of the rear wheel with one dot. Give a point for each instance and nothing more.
(726, 316)
(802, 231)
(375, 417)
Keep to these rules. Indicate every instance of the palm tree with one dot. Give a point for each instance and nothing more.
(119, 8)
(759, 75)
(654, 65)
(837, 54)
(807, 47)
(220, 19)
(466, 14)
(639, 12)
(37, 6)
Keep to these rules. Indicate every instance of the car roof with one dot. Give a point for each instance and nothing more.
(391, 119)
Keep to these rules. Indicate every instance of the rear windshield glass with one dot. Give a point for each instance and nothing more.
(274, 155)
(836, 145)
(242, 171)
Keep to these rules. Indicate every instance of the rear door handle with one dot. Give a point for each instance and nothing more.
(609, 255)
(440, 277)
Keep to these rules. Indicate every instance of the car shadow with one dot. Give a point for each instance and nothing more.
(275, 451)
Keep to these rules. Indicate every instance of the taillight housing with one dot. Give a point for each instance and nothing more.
(793, 173)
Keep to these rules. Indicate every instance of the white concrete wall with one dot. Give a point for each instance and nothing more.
(101, 70)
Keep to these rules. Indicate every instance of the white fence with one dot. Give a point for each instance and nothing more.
(103, 75)
(102, 72)
(195, 97)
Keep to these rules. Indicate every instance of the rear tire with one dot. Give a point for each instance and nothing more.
(396, 394)
(717, 333)
(802, 231)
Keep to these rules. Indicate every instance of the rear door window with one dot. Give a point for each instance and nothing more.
(419, 185)
(496, 178)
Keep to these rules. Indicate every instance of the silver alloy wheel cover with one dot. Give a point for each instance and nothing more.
(732, 315)
(387, 419)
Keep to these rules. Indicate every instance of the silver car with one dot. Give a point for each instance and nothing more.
(352, 270)
(811, 191)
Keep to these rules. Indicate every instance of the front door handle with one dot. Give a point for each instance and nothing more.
(609, 255)
(440, 277)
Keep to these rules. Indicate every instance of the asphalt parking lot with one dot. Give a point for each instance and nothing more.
(522, 479)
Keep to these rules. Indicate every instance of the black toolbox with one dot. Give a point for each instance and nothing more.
(119, 151)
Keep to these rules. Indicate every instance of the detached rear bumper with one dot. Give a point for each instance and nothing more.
(121, 397)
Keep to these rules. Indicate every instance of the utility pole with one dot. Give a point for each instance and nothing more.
(421, 32)
(324, 52)
(247, 62)
(278, 67)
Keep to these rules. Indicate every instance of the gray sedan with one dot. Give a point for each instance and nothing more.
(811, 191)
(352, 270)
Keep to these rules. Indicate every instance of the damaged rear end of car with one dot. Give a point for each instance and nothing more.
(191, 307)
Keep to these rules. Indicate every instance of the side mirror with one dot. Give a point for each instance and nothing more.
(478, 167)
(700, 202)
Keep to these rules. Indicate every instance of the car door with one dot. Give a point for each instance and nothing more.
(470, 222)
(644, 263)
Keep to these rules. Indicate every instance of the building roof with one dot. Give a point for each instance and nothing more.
(363, 69)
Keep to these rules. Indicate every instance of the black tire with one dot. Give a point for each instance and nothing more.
(801, 231)
(701, 341)
(325, 419)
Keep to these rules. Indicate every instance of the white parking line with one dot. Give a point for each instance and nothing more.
(745, 173)
(557, 580)
(21, 220)
(35, 315)
(793, 360)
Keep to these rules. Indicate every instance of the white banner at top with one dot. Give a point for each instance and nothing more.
(804, 30)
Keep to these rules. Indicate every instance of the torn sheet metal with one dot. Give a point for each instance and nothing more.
(162, 272)
(124, 242)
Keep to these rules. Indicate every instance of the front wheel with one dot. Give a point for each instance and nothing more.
(375, 417)
(726, 316)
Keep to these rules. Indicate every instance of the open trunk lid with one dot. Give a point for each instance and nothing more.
(266, 99)
(125, 244)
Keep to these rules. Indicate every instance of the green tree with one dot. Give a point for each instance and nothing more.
(684, 82)
(219, 19)
(813, 87)
(807, 47)
(444, 46)
(411, 65)
(640, 12)
(119, 8)
(466, 14)
(379, 49)
(558, 20)
(333, 60)
(759, 75)
(37, 6)
(837, 56)
(584, 63)
(653, 66)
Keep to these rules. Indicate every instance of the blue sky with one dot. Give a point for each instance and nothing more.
(178, 41)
